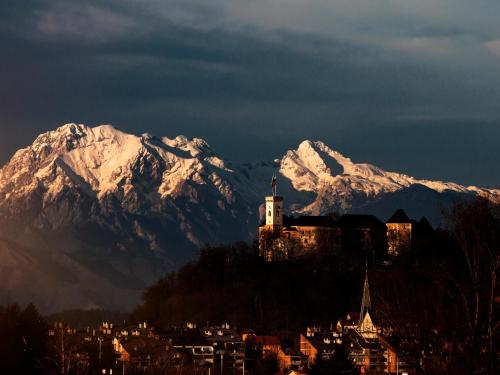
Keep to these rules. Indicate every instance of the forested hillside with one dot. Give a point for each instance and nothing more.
(439, 298)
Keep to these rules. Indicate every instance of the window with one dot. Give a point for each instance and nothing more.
(268, 213)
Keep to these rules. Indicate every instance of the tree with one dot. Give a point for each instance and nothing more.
(33, 333)
(10, 344)
(23, 340)
(339, 363)
(268, 365)
(438, 300)
(64, 356)
(253, 354)
(476, 227)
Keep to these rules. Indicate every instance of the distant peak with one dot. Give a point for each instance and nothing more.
(181, 139)
(306, 143)
(107, 128)
(71, 126)
(63, 135)
(72, 134)
(194, 146)
(319, 146)
(70, 129)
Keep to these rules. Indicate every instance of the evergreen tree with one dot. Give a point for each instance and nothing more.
(23, 341)
(33, 334)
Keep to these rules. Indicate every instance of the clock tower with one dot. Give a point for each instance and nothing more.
(274, 209)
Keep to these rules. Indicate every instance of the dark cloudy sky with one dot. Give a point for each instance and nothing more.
(409, 85)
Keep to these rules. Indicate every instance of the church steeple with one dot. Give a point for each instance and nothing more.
(366, 327)
(365, 301)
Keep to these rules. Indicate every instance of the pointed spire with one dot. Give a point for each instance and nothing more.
(365, 301)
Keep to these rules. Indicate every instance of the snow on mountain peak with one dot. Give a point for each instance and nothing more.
(103, 156)
(337, 181)
(69, 136)
(195, 146)
(314, 163)
(146, 169)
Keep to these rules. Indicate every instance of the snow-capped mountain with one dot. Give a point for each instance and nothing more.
(102, 213)
(78, 175)
(342, 185)
(125, 208)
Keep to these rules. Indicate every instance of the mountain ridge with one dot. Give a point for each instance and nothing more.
(125, 208)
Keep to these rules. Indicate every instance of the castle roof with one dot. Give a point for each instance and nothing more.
(399, 217)
(360, 221)
(424, 227)
(310, 221)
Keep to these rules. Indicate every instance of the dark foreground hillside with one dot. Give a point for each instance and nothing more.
(440, 298)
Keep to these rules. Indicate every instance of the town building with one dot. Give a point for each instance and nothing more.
(290, 359)
(359, 334)
(270, 345)
(228, 346)
(368, 347)
(316, 342)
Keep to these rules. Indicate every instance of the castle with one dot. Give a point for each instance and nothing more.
(283, 237)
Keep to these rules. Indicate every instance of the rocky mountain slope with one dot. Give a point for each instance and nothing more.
(342, 185)
(89, 216)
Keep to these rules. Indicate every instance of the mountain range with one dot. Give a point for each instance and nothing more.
(91, 216)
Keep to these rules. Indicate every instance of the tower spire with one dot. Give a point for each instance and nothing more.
(274, 184)
(365, 301)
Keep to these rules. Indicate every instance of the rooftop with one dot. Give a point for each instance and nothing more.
(310, 221)
(399, 217)
(360, 221)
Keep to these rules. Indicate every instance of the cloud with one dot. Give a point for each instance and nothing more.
(432, 46)
(493, 46)
(240, 70)
(85, 22)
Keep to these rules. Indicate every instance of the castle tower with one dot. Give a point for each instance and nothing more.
(399, 233)
(271, 229)
(274, 209)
